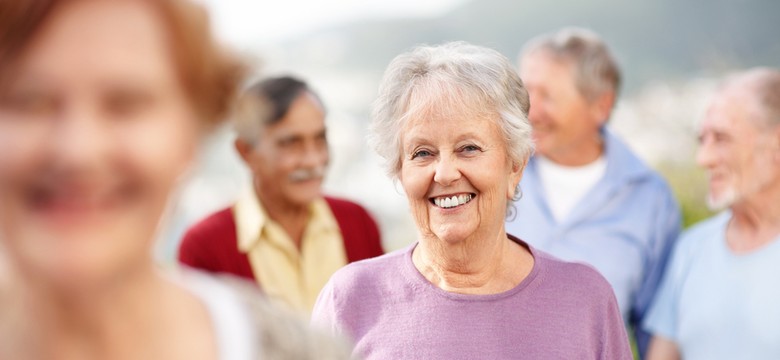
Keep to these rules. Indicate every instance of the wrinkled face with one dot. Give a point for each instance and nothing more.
(564, 121)
(740, 156)
(94, 131)
(457, 175)
(291, 156)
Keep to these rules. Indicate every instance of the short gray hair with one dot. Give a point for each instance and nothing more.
(595, 69)
(764, 86)
(433, 78)
(267, 102)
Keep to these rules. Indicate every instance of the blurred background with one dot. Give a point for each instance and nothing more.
(672, 53)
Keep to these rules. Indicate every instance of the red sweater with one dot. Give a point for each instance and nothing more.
(212, 244)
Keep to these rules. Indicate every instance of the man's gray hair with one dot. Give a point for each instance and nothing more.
(764, 86)
(437, 79)
(595, 69)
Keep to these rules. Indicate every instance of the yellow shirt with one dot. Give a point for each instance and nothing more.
(286, 275)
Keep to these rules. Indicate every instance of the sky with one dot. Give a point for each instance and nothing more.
(249, 23)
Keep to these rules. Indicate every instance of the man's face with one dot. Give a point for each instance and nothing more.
(739, 154)
(566, 125)
(289, 160)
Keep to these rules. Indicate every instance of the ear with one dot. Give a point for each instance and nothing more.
(602, 107)
(515, 175)
(244, 149)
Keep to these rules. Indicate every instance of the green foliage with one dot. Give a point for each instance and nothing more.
(689, 185)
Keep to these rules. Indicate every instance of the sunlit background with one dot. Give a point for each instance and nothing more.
(672, 54)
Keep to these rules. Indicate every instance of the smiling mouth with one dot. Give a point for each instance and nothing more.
(448, 202)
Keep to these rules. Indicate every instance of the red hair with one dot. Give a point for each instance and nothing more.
(209, 74)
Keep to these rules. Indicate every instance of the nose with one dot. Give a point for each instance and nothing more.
(315, 155)
(79, 141)
(447, 171)
(705, 154)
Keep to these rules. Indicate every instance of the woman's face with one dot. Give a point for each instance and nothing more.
(457, 174)
(95, 129)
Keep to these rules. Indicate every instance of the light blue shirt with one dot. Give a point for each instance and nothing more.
(716, 304)
(624, 226)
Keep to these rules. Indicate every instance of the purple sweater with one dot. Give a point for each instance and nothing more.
(560, 311)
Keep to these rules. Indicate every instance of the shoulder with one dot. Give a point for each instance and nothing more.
(216, 222)
(630, 166)
(702, 232)
(572, 277)
(272, 332)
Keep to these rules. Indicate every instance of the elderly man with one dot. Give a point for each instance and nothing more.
(283, 233)
(719, 298)
(587, 197)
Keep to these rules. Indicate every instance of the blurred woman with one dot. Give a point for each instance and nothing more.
(102, 107)
(451, 121)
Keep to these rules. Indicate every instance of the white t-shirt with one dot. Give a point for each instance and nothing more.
(565, 186)
(232, 319)
(248, 326)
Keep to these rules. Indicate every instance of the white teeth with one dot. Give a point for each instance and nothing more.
(455, 200)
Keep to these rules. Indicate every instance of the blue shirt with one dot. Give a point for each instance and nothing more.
(716, 304)
(624, 226)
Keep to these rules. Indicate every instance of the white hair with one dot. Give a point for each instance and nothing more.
(595, 70)
(435, 78)
(763, 83)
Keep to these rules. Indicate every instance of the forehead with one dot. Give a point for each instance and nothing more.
(542, 68)
(730, 110)
(438, 99)
(449, 118)
(88, 40)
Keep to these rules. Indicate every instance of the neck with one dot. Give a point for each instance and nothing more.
(755, 222)
(579, 155)
(292, 217)
(477, 267)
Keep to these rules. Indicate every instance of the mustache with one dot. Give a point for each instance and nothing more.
(299, 175)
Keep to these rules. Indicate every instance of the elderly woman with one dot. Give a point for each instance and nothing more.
(102, 106)
(451, 121)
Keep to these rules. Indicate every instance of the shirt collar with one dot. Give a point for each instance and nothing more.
(251, 217)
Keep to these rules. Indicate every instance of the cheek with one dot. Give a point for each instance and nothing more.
(160, 149)
(415, 182)
(22, 153)
(22, 144)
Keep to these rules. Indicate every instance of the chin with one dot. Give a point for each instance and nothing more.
(451, 234)
(77, 267)
(304, 199)
(723, 200)
(83, 254)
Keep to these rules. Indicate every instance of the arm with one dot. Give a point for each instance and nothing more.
(615, 343)
(662, 348)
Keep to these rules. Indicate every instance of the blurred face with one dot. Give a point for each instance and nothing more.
(566, 125)
(290, 157)
(457, 175)
(741, 158)
(94, 131)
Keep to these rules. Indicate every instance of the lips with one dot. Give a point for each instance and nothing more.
(71, 203)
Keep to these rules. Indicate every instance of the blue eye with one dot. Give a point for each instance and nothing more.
(470, 148)
(419, 153)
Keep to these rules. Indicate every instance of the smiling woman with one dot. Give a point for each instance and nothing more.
(102, 106)
(451, 122)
